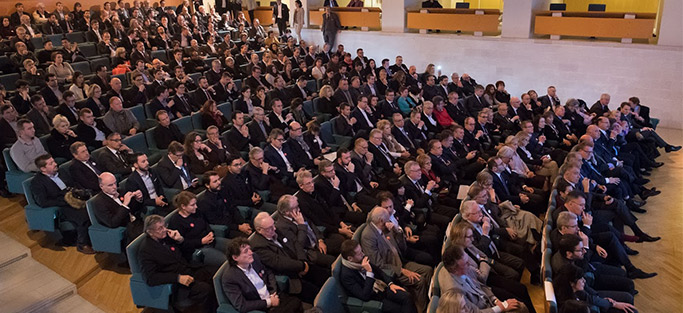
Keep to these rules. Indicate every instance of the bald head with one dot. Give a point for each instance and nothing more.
(586, 138)
(265, 225)
(593, 131)
(108, 184)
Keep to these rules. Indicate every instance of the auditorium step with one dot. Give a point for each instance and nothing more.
(28, 286)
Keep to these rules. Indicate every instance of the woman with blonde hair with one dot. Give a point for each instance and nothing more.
(452, 301)
(325, 103)
(485, 269)
(395, 148)
(61, 137)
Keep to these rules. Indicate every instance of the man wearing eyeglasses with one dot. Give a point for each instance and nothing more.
(174, 170)
(114, 158)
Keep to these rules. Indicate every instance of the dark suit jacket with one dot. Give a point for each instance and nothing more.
(598, 109)
(341, 127)
(236, 141)
(162, 263)
(282, 260)
(7, 134)
(256, 135)
(315, 209)
(135, 182)
(199, 96)
(111, 163)
(361, 122)
(83, 176)
(297, 238)
(46, 193)
(217, 209)
(403, 139)
(273, 158)
(109, 213)
(298, 154)
(474, 105)
(164, 135)
(170, 175)
(359, 287)
(241, 291)
(422, 199)
(379, 160)
(49, 96)
(86, 134)
(42, 127)
(331, 195)
(66, 112)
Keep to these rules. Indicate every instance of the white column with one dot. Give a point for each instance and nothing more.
(518, 17)
(671, 23)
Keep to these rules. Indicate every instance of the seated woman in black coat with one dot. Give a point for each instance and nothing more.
(196, 231)
(212, 116)
(325, 102)
(61, 138)
(198, 154)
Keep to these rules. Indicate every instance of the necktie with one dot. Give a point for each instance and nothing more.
(384, 150)
(419, 187)
(185, 176)
(93, 168)
(121, 158)
(263, 129)
(505, 183)
(208, 96)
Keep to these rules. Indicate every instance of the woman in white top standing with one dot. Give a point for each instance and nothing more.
(298, 19)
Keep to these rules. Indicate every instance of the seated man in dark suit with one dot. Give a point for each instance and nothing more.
(278, 155)
(218, 210)
(475, 103)
(49, 190)
(118, 210)
(8, 134)
(301, 152)
(174, 170)
(292, 226)
(162, 262)
(249, 285)
(314, 208)
(40, 114)
(277, 117)
(416, 128)
(359, 278)
(166, 132)
(343, 125)
(237, 137)
(83, 170)
(384, 162)
(89, 130)
(52, 92)
(421, 193)
(389, 106)
(147, 181)
(443, 167)
(114, 158)
(259, 127)
(365, 120)
(238, 188)
(283, 258)
(508, 186)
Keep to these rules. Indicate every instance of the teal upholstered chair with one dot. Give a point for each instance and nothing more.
(433, 304)
(144, 295)
(328, 297)
(224, 305)
(103, 238)
(38, 218)
(14, 176)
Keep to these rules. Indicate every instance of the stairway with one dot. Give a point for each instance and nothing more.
(29, 286)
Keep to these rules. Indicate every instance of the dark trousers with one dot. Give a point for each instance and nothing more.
(288, 304)
(611, 278)
(397, 302)
(330, 38)
(199, 293)
(505, 289)
(281, 26)
(80, 220)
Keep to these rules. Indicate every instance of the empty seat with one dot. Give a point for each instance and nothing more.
(9, 80)
(78, 37)
(184, 124)
(89, 50)
(56, 39)
(83, 67)
(136, 142)
(160, 54)
(95, 63)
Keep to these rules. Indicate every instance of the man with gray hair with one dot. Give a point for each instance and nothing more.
(161, 261)
(293, 226)
(281, 255)
(382, 251)
(118, 210)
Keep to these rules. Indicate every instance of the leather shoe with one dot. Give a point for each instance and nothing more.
(638, 210)
(85, 249)
(638, 273)
(641, 181)
(657, 164)
(629, 238)
(671, 148)
(630, 251)
(647, 238)
(646, 193)
(639, 203)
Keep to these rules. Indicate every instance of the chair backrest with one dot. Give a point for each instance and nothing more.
(238, 84)
(9, 80)
(436, 289)
(359, 232)
(167, 218)
(56, 39)
(64, 171)
(139, 113)
(89, 50)
(218, 286)
(184, 124)
(136, 142)
(132, 253)
(95, 63)
(326, 132)
(91, 213)
(308, 108)
(37, 42)
(328, 297)
(83, 67)
(123, 78)
(195, 77)
(149, 135)
(160, 54)
(433, 304)
(28, 192)
(11, 166)
(311, 85)
(78, 37)
(226, 109)
(196, 118)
